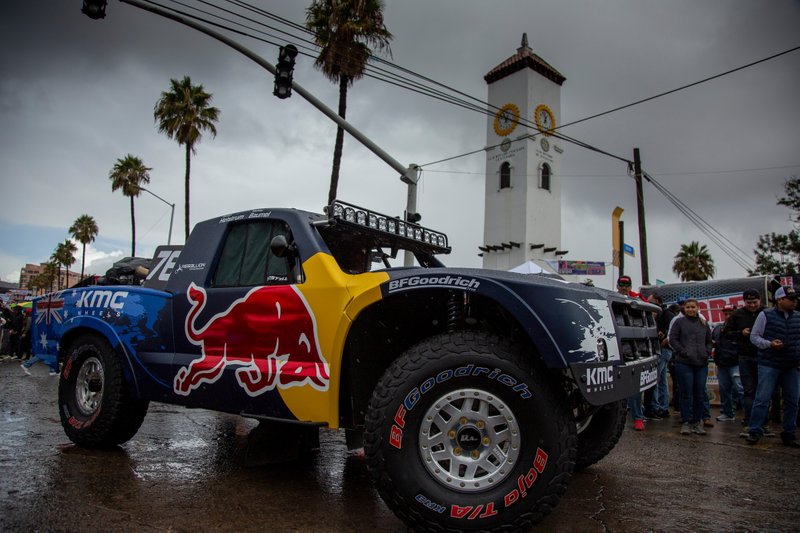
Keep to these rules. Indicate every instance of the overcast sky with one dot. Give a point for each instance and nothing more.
(77, 94)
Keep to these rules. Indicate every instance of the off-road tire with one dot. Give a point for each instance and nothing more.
(602, 433)
(95, 402)
(431, 407)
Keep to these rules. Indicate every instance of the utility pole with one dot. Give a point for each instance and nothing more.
(637, 170)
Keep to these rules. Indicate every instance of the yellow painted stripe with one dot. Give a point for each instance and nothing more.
(335, 299)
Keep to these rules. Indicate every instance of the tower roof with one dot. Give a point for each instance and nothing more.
(522, 59)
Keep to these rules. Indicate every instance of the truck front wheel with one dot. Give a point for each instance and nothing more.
(464, 433)
(95, 403)
(600, 433)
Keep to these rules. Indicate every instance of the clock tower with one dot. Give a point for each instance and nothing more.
(523, 185)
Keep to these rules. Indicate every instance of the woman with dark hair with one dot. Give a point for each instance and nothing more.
(690, 339)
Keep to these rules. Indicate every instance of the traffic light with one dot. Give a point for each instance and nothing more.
(284, 70)
(94, 9)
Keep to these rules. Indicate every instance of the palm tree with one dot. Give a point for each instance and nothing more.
(345, 30)
(84, 230)
(128, 175)
(56, 268)
(64, 255)
(66, 251)
(694, 263)
(35, 284)
(184, 113)
(48, 275)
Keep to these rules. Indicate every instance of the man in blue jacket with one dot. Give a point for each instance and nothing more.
(776, 334)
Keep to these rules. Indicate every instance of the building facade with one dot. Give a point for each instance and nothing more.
(523, 157)
(30, 271)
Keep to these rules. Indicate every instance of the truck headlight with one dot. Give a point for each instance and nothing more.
(602, 349)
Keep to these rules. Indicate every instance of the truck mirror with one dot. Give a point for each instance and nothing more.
(279, 246)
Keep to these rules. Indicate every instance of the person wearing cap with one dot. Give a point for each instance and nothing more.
(624, 285)
(737, 329)
(726, 359)
(634, 402)
(690, 338)
(776, 334)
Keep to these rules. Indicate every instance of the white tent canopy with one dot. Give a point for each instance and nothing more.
(528, 267)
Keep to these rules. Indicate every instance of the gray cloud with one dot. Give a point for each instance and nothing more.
(77, 94)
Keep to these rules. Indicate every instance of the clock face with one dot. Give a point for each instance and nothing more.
(505, 120)
(545, 144)
(545, 120)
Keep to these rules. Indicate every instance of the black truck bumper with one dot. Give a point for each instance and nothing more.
(606, 382)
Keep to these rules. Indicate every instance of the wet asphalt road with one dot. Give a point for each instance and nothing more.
(190, 470)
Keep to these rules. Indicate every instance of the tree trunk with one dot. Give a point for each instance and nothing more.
(337, 149)
(133, 231)
(186, 202)
(83, 259)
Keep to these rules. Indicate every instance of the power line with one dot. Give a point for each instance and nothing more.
(665, 93)
(704, 80)
(617, 175)
(484, 108)
(371, 71)
(726, 245)
(701, 172)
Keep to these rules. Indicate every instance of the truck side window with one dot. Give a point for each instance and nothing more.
(246, 259)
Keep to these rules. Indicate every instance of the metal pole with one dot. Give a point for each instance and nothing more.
(171, 215)
(411, 178)
(360, 137)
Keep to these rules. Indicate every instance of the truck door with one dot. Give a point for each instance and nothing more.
(243, 326)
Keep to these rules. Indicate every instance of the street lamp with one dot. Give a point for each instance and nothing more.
(171, 216)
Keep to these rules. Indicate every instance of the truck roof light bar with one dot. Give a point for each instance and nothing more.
(345, 213)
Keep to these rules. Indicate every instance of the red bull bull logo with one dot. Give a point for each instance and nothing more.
(270, 334)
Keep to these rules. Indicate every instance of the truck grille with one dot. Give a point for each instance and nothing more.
(636, 331)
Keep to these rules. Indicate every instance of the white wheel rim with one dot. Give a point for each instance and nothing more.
(89, 386)
(469, 440)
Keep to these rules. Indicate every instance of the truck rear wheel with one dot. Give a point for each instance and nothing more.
(600, 434)
(95, 403)
(463, 433)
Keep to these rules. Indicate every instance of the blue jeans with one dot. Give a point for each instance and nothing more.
(35, 359)
(635, 405)
(661, 396)
(738, 390)
(692, 384)
(748, 371)
(729, 387)
(768, 378)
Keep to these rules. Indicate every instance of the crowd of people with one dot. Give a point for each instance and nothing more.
(756, 353)
(15, 338)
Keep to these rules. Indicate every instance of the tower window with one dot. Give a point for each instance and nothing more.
(545, 179)
(505, 175)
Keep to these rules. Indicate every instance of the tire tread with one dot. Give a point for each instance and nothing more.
(458, 344)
